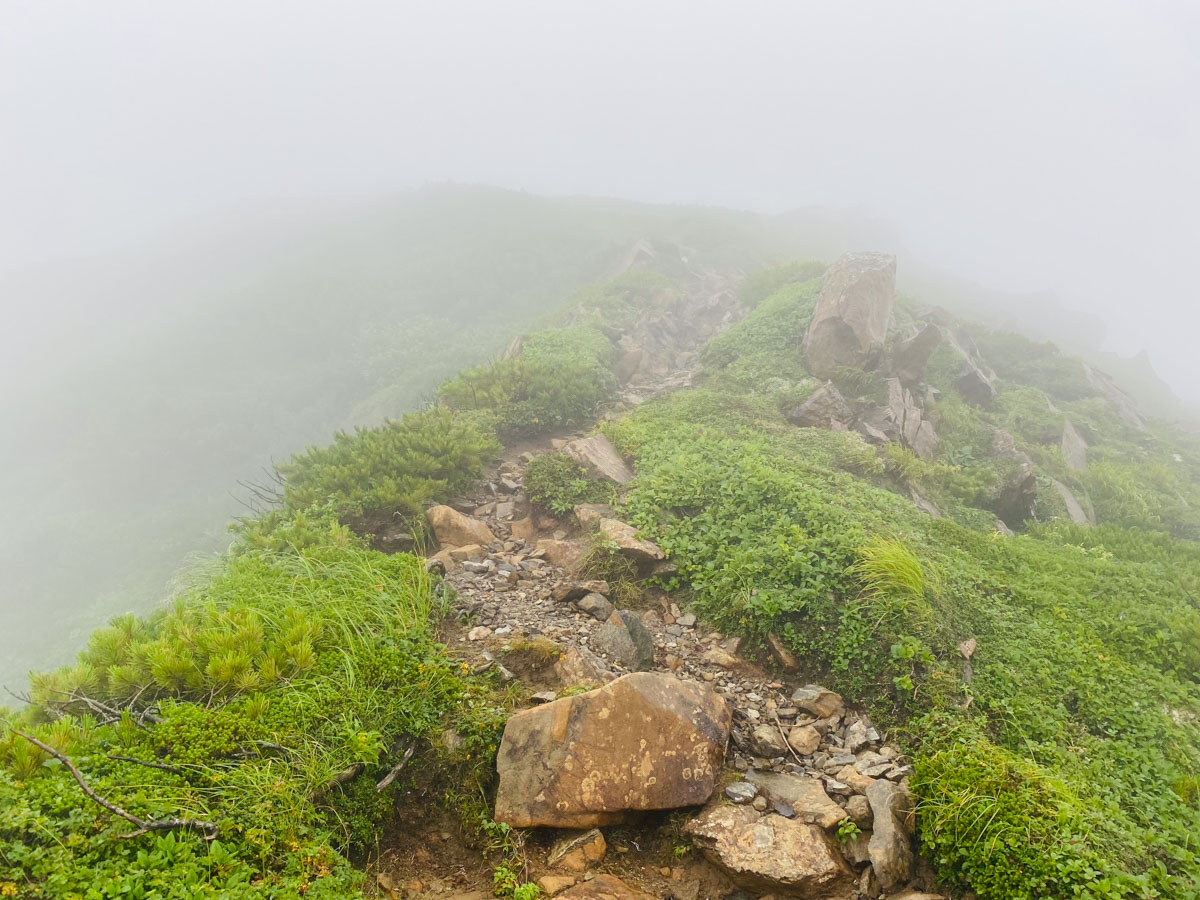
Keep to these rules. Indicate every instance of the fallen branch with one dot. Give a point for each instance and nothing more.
(346, 775)
(786, 742)
(208, 829)
(391, 776)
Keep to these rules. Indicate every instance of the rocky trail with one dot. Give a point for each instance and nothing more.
(650, 756)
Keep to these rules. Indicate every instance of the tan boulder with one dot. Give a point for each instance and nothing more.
(850, 323)
(589, 514)
(453, 529)
(564, 554)
(523, 529)
(470, 551)
(770, 853)
(804, 739)
(645, 741)
(890, 847)
(604, 887)
(820, 701)
(628, 543)
(555, 884)
(601, 459)
(580, 666)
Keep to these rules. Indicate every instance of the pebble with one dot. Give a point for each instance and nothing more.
(741, 792)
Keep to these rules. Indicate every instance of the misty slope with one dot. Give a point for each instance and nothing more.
(1044, 683)
(186, 367)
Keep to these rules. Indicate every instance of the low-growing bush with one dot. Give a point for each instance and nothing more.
(559, 484)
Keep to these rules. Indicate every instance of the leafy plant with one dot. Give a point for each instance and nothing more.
(559, 484)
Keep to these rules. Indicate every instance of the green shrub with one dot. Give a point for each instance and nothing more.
(559, 484)
(559, 381)
(762, 284)
(399, 467)
(270, 678)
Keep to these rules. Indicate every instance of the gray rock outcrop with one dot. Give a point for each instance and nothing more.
(850, 323)
(826, 408)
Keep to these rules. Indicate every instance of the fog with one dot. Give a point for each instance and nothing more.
(1027, 147)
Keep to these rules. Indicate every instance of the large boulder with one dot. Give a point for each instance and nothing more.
(453, 529)
(890, 847)
(975, 381)
(1016, 498)
(826, 408)
(851, 320)
(771, 853)
(645, 741)
(601, 459)
(1075, 510)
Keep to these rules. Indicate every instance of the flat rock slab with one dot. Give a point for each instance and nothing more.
(628, 543)
(771, 853)
(604, 887)
(645, 741)
(804, 795)
(600, 458)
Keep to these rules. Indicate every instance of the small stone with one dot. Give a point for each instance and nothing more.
(715, 656)
(819, 701)
(544, 697)
(578, 853)
(761, 804)
(782, 655)
(804, 739)
(479, 633)
(626, 640)
(595, 605)
(856, 736)
(741, 792)
(688, 620)
(553, 884)
(766, 741)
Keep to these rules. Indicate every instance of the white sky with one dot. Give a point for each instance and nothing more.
(1028, 145)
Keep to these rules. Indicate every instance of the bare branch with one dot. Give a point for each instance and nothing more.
(208, 829)
(391, 776)
(145, 762)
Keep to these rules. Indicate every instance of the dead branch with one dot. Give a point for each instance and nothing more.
(396, 769)
(208, 829)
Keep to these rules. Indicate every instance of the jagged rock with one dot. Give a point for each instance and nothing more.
(851, 320)
(523, 529)
(567, 591)
(579, 852)
(856, 736)
(781, 654)
(770, 853)
(453, 529)
(767, 741)
(890, 848)
(819, 701)
(595, 605)
(604, 887)
(741, 792)
(1125, 405)
(646, 741)
(471, 552)
(856, 850)
(806, 796)
(926, 506)
(826, 408)
(1016, 500)
(912, 356)
(627, 542)
(1074, 447)
(580, 665)
(858, 809)
(1075, 509)
(857, 781)
(601, 459)
(901, 420)
(804, 739)
(626, 640)
(589, 514)
(976, 382)
(564, 554)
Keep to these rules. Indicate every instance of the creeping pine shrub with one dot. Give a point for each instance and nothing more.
(559, 484)
(558, 381)
(270, 679)
(399, 467)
